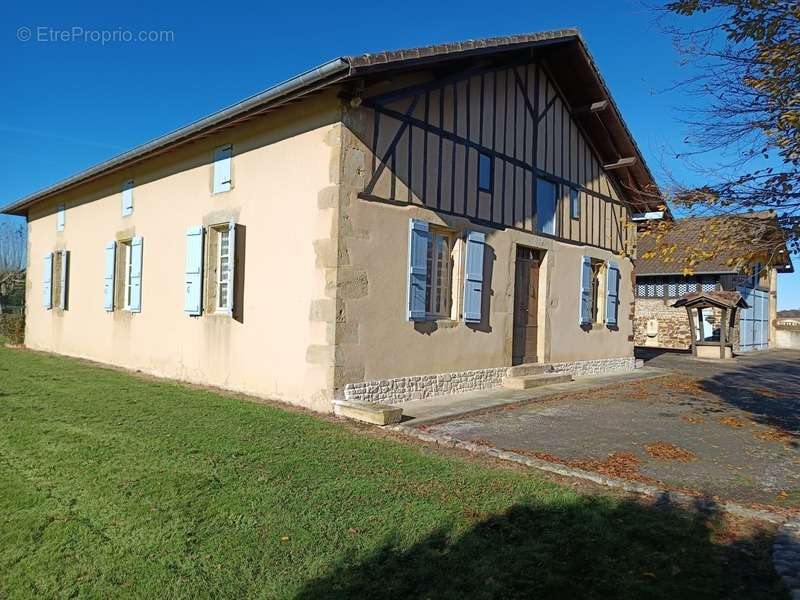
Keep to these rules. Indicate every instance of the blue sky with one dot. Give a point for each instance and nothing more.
(70, 104)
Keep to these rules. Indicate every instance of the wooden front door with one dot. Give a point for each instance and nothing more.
(526, 306)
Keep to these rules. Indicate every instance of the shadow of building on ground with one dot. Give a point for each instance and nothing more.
(766, 385)
(586, 548)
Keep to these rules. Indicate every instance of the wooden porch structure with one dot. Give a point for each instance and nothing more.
(727, 303)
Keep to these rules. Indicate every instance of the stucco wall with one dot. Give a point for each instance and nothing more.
(375, 339)
(285, 168)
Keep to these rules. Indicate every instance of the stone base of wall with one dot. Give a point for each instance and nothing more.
(417, 387)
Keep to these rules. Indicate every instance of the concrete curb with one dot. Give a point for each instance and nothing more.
(678, 498)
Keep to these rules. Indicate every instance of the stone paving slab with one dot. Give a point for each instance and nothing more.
(453, 406)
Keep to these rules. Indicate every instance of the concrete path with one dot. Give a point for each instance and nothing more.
(454, 406)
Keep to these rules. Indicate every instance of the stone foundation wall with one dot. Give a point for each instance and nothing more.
(417, 387)
(673, 324)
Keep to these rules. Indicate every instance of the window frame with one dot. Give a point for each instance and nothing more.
(127, 280)
(222, 232)
(597, 297)
(574, 203)
(437, 287)
(484, 158)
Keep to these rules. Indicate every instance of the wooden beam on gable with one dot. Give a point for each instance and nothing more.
(627, 161)
(594, 107)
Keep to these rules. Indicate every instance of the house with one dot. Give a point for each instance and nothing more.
(385, 226)
(661, 279)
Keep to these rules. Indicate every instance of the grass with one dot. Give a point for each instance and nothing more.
(112, 485)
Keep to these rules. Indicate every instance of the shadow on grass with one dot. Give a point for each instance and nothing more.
(594, 548)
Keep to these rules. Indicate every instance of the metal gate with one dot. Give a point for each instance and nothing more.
(754, 321)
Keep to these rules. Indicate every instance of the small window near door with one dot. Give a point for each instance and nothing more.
(484, 172)
(438, 287)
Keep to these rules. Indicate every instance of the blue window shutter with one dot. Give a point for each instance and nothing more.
(418, 240)
(127, 198)
(64, 260)
(612, 294)
(192, 302)
(108, 286)
(584, 318)
(473, 276)
(136, 275)
(60, 217)
(47, 281)
(222, 168)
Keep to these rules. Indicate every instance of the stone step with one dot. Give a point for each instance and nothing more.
(527, 369)
(374, 412)
(532, 381)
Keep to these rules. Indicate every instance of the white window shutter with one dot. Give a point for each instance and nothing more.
(47, 281)
(108, 283)
(222, 169)
(60, 217)
(136, 275)
(127, 198)
(193, 276)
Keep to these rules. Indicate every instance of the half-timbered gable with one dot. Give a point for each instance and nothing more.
(431, 142)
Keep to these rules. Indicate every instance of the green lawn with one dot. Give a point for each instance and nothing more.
(112, 486)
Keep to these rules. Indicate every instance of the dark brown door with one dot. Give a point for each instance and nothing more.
(526, 305)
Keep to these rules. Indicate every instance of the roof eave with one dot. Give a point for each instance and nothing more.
(276, 95)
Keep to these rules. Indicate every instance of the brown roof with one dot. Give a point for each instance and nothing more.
(687, 235)
(722, 299)
(576, 74)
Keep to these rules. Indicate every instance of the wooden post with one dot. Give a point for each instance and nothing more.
(692, 331)
(723, 333)
(701, 333)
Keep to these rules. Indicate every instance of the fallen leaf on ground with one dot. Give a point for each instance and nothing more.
(773, 434)
(732, 422)
(693, 419)
(666, 451)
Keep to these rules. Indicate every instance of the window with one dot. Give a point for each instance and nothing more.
(59, 279)
(223, 270)
(127, 198)
(484, 172)
(434, 289)
(574, 203)
(123, 275)
(125, 249)
(546, 206)
(597, 291)
(60, 217)
(222, 176)
(211, 261)
(438, 286)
